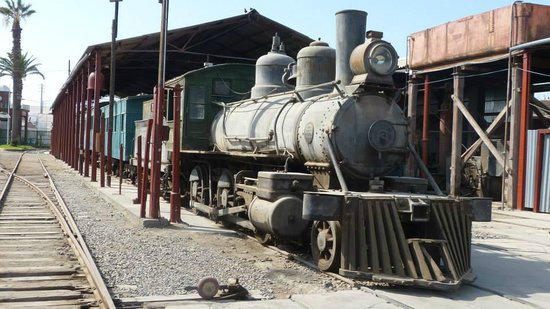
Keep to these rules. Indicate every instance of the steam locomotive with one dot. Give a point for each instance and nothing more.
(317, 154)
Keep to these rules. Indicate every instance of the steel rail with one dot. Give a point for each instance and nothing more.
(77, 241)
(10, 179)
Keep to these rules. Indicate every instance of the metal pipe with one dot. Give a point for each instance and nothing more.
(523, 127)
(145, 177)
(350, 32)
(424, 169)
(426, 119)
(112, 93)
(336, 165)
(175, 197)
(531, 44)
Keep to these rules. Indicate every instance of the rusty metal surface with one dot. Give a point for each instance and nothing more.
(481, 35)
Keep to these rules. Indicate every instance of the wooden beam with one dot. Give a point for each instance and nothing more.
(494, 125)
(478, 129)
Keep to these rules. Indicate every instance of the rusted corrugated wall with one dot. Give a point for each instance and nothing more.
(479, 36)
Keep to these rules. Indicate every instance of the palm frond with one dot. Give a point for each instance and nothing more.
(26, 65)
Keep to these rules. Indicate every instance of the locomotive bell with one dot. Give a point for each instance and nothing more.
(269, 70)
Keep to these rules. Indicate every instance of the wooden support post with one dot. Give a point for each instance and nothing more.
(412, 93)
(444, 147)
(456, 147)
(509, 193)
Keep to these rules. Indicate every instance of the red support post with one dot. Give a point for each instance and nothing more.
(101, 151)
(70, 132)
(76, 123)
(121, 152)
(145, 177)
(97, 86)
(87, 144)
(175, 198)
(523, 127)
(138, 170)
(69, 135)
(156, 153)
(65, 139)
(109, 168)
(82, 126)
(426, 120)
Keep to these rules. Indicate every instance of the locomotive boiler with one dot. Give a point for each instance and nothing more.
(316, 155)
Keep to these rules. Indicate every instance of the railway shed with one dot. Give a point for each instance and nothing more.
(474, 104)
(243, 39)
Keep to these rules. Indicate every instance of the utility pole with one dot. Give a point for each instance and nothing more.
(41, 98)
(112, 94)
(154, 210)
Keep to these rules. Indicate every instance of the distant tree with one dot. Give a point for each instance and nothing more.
(14, 12)
(25, 66)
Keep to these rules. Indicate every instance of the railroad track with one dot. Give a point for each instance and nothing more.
(43, 258)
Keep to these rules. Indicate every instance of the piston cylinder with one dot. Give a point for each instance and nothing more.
(281, 218)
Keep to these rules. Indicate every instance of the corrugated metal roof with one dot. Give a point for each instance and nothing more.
(241, 38)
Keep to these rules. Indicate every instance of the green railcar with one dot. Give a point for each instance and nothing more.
(203, 90)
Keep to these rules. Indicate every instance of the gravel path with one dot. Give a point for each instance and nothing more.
(143, 262)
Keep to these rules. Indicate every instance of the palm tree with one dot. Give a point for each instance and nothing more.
(25, 66)
(15, 12)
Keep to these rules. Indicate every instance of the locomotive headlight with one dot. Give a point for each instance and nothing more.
(383, 59)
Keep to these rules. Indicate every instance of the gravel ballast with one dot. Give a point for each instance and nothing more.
(137, 261)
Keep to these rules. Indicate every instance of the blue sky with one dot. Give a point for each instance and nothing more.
(61, 29)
